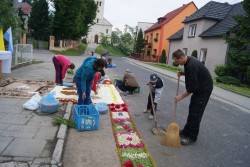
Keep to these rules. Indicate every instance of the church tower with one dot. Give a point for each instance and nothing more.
(101, 24)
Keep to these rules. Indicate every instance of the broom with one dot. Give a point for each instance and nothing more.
(172, 137)
(157, 130)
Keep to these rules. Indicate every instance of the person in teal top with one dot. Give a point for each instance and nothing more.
(84, 77)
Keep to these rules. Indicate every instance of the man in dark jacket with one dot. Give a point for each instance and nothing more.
(199, 83)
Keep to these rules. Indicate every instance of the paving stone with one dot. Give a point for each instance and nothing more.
(23, 159)
(9, 101)
(10, 109)
(40, 121)
(47, 133)
(41, 161)
(21, 131)
(25, 147)
(13, 164)
(4, 126)
(5, 141)
(5, 159)
(14, 118)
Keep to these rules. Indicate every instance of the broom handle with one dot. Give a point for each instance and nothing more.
(152, 105)
(175, 104)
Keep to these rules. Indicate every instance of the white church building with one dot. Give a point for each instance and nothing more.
(101, 25)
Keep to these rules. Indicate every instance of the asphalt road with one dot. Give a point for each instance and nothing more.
(224, 138)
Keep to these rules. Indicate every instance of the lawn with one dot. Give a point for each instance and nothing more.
(242, 89)
(72, 52)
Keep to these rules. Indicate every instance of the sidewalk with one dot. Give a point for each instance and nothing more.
(232, 98)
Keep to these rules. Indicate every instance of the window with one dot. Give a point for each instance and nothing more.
(203, 56)
(192, 30)
(185, 51)
(97, 20)
(155, 52)
(156, 37)
(107, 30)
(97, 3)
(100, 3)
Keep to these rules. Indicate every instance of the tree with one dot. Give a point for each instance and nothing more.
(116, 37)
(8, 18)
(163, 57)
(39, 19)
(139, 42)
(239, 44)
(105, 40)
(127, 44)
(27, 1)
(73, 18)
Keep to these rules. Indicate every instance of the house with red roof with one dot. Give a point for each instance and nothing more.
(156, 36)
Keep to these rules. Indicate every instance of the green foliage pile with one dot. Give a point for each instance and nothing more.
(175, 64)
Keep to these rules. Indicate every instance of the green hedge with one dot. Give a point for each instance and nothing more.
(228, 80)
(221, 70)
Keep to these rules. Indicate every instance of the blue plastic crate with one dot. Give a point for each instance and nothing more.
(86, 117)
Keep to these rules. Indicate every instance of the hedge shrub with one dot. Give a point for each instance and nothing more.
(221, 70)
(228, 80)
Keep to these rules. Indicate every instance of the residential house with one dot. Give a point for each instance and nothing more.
(204, 31)
(101, 26)
(156, 35)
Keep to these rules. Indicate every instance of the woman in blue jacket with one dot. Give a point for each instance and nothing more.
(84, 77)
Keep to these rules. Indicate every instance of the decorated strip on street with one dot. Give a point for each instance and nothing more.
(131, 149)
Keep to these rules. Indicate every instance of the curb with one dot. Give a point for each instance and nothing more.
(61, 135)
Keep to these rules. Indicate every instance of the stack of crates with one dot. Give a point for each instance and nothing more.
(86, 117)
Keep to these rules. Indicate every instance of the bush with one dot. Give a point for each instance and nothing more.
(248, 74)
(228, 80)
(221, 70)
(163, 57)
(194, 53)
(175, 64)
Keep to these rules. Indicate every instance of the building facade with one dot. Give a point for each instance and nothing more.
(156, 36)
(203, 32)
(101, 26)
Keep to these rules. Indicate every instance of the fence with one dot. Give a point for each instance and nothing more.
(23, 53)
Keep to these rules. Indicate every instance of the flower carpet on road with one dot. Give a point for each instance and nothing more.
(131, 149)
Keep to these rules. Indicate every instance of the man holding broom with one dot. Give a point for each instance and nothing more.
(198, 82)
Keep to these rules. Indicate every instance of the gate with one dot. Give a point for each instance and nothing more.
(23, 53)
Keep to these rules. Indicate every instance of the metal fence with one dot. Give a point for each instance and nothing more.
(23, 53)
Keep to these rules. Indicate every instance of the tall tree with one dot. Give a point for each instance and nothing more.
(163, 57)
(8, 19)
(28, 1)
(239, 42)
(139, 42)
(39, 19)
(73, 18)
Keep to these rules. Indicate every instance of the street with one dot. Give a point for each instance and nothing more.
(224, 138)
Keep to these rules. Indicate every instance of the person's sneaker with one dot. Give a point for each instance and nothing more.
(126, 93)
(186, 141)
(145, 110)
(151, 117)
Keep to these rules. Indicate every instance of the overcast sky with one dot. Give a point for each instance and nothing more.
(130, 12)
